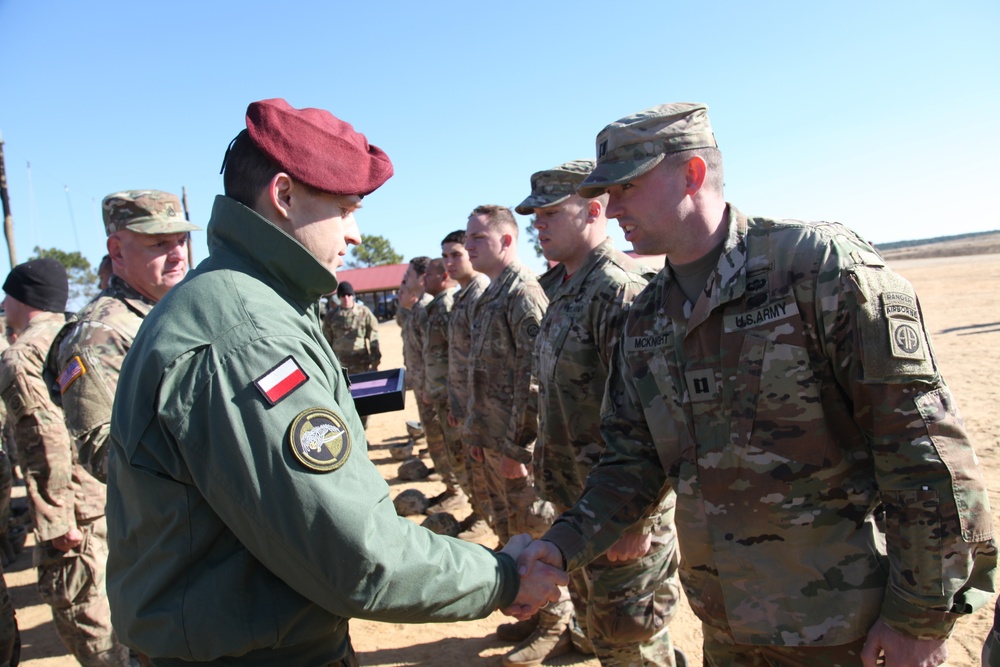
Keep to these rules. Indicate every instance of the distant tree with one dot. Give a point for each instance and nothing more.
(82, 277)
(533, 235)
(374, 250)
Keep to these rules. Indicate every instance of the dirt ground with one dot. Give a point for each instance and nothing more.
(962, 306)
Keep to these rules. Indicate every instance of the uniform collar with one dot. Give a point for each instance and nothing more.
(241, 231)
(561, 285)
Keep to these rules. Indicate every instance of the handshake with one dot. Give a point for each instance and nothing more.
(540, 565)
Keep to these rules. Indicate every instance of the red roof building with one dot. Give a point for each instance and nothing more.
(376, 286)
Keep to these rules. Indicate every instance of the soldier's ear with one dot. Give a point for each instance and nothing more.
(594, 208)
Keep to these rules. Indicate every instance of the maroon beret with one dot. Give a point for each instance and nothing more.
(317, 148)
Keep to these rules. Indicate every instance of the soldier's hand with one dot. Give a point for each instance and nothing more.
(629, 547)
(511, 469)
(452, 422)
(540, 581)
(901, 650)
(71, 540)
(476, 454)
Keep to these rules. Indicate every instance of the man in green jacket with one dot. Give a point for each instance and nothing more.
(247, 524)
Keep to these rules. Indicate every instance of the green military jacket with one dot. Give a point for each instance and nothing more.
(436, 346)
(63, 495)
(503, 397)
(246, 523)
(460, 342)
(89, 360)
(796, 397)
(353, 335)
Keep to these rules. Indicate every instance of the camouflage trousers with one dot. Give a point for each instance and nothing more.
(435, 441)
(624, 609)
(72, 583)
(6, 484)
(469, 474)
(516, 505)
(722, 651)
(10, 641)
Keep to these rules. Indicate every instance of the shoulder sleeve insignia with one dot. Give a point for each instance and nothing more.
(74, 369)
(281, 380)
(320, 439)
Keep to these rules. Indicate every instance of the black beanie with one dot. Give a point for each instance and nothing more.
(40, 283)
(345, 289)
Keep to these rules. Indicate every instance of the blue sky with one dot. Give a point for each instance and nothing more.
(880, 115)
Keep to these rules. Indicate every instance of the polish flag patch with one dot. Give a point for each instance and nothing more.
(281, 380)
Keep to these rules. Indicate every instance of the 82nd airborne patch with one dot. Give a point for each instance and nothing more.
(906, 339)
(320, 439)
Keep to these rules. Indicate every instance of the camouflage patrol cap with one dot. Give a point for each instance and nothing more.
(633, 145)
(552, 186)
(146, 212)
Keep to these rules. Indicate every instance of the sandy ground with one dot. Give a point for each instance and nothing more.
(962, 307)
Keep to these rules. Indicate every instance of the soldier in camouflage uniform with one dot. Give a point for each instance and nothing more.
(147, 238)
(413, 320)
(67, 502)
(625, 598)
(778, 375)
(471, 286)
(504, 325)
(352, 331)
(438, 313)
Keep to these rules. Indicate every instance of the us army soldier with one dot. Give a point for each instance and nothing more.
(67, 503)
(778, 375)
(147, 238)
(624, 599)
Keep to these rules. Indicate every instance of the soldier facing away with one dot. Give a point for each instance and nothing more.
(67, 503)
(778, 375)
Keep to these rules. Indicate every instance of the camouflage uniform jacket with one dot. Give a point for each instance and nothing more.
(436, 345)
(413, 343)
(504, 327)
(572, 356)
(62, 494)
(353, 335)
(794, 398)
(460, 342)
(89, 360)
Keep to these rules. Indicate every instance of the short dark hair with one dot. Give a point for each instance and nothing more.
(715, 175)
(419, 264)
(457, 236)
(246, 170)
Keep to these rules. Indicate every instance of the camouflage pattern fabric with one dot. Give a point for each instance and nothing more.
(796, 396)
(623, 609)
(89, 359)
(10, 637)
(435, 356)
(459, 370)
(721, 651)
(460, 343)
(504, 327)
(435, 352)
(413, 342)
(353, 335)
(63, 496)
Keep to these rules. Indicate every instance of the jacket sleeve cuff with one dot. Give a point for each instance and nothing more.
(520, 454)
(916, 622)
(510, 580)
(569, 542)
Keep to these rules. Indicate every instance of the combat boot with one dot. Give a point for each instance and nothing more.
(475, 528)
(519, 631)
(550, 639)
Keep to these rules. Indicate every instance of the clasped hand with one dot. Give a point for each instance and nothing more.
(540, 565)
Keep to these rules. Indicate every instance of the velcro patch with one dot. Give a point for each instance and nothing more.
(905, 339)
(281, 380)
(74, 369)
(772, 312)
(900, 304)
(701, 385)
(639, 343)
(320, 439)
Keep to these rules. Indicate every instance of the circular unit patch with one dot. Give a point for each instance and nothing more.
(320, 439)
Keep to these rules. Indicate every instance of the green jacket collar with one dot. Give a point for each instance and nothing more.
(237, 230)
